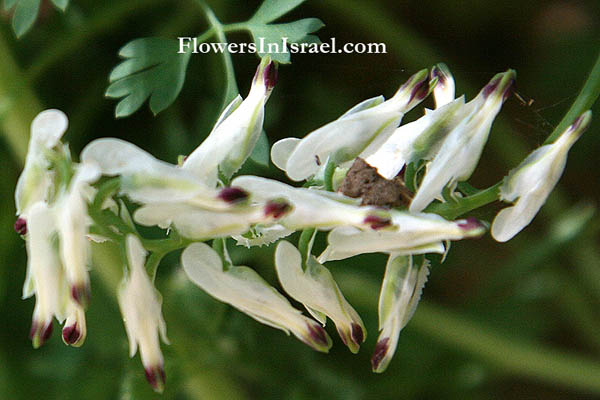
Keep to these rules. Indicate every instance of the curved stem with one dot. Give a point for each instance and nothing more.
(584, 101)
(466, 204)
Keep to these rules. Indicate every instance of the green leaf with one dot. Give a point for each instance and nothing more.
(152, 69)
(260, 154)
(295, 32)
(25, 14)
(61, 4)
(270, 10)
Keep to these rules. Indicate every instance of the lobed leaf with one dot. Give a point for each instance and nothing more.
(270, 10)
(295, 32)
(152, 69)
(26, 12)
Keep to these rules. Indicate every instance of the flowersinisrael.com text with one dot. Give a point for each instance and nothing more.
(262, 46)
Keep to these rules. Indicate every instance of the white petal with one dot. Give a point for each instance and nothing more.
(262, 235)
(245, 290)
(315, 287)
(310, 207)
(281, 151)
(48, 127)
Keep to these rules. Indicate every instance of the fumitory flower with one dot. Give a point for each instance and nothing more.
(459, 153)
(401, 290)
(236, 132)
(245, 290)
(530, 183)
(140, 305)
(35, 181)
(408, 233)
(358, 132)
(310, 283)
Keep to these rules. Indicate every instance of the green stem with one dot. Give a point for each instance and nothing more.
(152, 264)
(231, 89)
(584, 101)
(466, 204)
(512, 355)
(304, 244)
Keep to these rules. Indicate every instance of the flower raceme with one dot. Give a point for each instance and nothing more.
(389, 176)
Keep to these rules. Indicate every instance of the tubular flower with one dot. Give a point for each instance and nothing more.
(459, 153)
(312, 284)
(236, 132)
(530, 183)
(401, 290)
(408, 234)
(245, 290)
(358, 132)
(34, 183)
(72, 224)
(140, 305)
(421, 139)
(45, 275)
(312, 207)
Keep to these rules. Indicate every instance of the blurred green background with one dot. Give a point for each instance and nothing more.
(517, 320)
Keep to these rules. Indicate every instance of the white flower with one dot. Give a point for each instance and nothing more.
(75, 329)
(196, 223)
(312, 207)
(443, 92)
(45, 276)
(418, 140)
(408, 234)
(148, 180)
(73, 228)
(531, 182)
(245, 290)
(35, 180)
(401, 290)
(261, 235)
(140, 305)
(459, 153)
(359, 132)
(312, 284)
(236, 132)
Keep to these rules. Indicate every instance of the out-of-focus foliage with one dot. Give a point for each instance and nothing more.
(541, 290)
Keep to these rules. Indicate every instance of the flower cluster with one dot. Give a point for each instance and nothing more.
(370, 182)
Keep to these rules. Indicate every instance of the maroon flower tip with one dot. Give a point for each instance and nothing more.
(377, 222)
(40, 334)
(357, 333)
(491, 87)
(472, 226)
(509, 90)
(381, 349)
(21, 226)
(81, 294)
(233, 194)
(270, 75)
(420, 91)
(156, 377)
(277, 208)
(71, 334)
(318, 334)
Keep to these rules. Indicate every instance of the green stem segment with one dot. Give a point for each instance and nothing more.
(584, 101)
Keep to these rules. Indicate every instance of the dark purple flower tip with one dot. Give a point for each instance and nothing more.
(381, 349)
(376, 222)
(156, 377)
(21, 226)
(40, 333)
(491, 87)
(270, 75)
(277, 208)
(420, 90)
(71, 334)
(233, 195)
(472, 226)
(358, 335)
(81, 294)
(317, 338)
